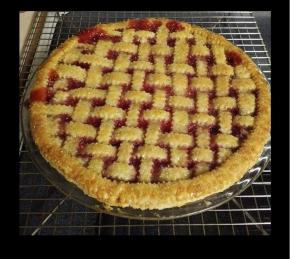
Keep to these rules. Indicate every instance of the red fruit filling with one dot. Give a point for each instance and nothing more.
(191, 128)
(235, 111)
(145, 106)
(112, 54)
(106, 70)
(174, 26)
(87, 51)
(142, 123)
(148, 88)
(135, 161)
(169, 59)
(233, 58)
(214, 130)
(151, 58)
(134, 57)
(165, 126)
(83, 65)
(144, 24)
(39, 94)
(124, 104)
(152, 41)
(83, 142)
(92, 35)
(240, 132)
(71, 101)
(94, 121)
(98, 102)
(233, 93)
(171, 42)
(136, 41)
(73, 84)
(191, 60)
(120, 123)
(210, 60)
(191, 41)
(52, 77)
(64, 118)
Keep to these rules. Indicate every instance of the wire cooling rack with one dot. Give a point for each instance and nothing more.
(43, 210)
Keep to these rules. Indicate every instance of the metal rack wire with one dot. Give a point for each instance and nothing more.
(44, 210)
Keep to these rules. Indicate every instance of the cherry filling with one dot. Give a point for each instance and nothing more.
(115, 39)
(191, 92)
(64, 118)
(126, 88)
(214, 130)
(156, 170)
(120, 123)
(70, 101)
(61, 132)
(191, 164)
(152, 41)
(235, 111)
(41, 94)
(240, 132)
(87, 51)
(91, 35)
(108, 161)
(212, 111)
(115, 143)
(151, 58)
(130, 71)
(135, 161)
(166, 126)
(171, 42)
(174, 26)
(144, 24)
(233, 58)
(192, 128)
(73, 84)
(210, 60)
(211, 95)
(136, 41)
(134, 57)
(191, 60)
(148, 88)
(104, 87)
(112, 54)
(52, 77)
(94, 34)
(83, 65)
(124, 104)
(106, 70)
(94, 121)
(213, 146)
(83, 142)
(142, 123)
(145, 106)
(233, 93)
(191, 42)
(98, 102)
(169, 59)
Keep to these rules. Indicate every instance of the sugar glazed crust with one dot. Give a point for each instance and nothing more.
(148, 195)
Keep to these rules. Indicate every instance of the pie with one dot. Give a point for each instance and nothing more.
(150, 113)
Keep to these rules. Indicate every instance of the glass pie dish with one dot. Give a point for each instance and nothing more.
(71, 190)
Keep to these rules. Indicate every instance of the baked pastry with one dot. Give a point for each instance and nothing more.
(150, 113)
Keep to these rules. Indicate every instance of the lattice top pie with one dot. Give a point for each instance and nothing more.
(150, 113)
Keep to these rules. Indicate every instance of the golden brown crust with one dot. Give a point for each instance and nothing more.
(150, 195)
